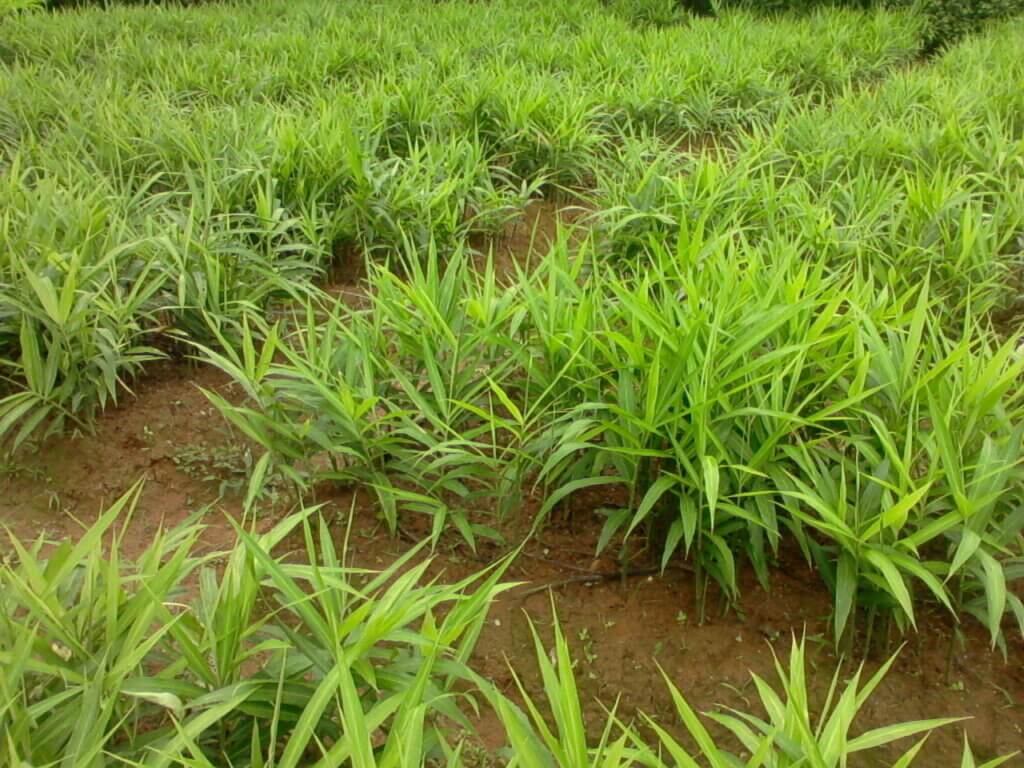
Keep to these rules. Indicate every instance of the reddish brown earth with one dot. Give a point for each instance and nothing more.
(158, 436)
(168, 434)
(526, 238)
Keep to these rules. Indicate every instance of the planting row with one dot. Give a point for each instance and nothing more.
(752, 352)
(786, 336)
(162, 165)
(311, 661)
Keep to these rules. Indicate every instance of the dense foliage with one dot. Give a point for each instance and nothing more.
(780, 319)
(949, 20)
(102, 663)
(945, 21)
(787, 333)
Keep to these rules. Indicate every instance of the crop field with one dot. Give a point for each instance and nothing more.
(562, 384)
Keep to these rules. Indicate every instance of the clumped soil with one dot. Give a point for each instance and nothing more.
(621, 630)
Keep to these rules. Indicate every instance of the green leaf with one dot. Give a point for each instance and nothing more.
(572, 487)
(711, 478)
(889, 733)
(892, 576)
(969, 543)
(654, 493)
(846, 591)
(256, 480)
(616, 519)
(995, 593)
(672, 540)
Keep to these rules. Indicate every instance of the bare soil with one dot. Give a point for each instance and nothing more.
(526, 238)
(167, 435)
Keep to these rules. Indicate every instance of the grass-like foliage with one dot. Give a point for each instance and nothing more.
(244, 657)
(278, 652)
(152, 175)
(793, 731)
(781, 323)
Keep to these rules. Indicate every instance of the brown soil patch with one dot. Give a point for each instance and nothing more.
(159, 435)
(526, 239)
